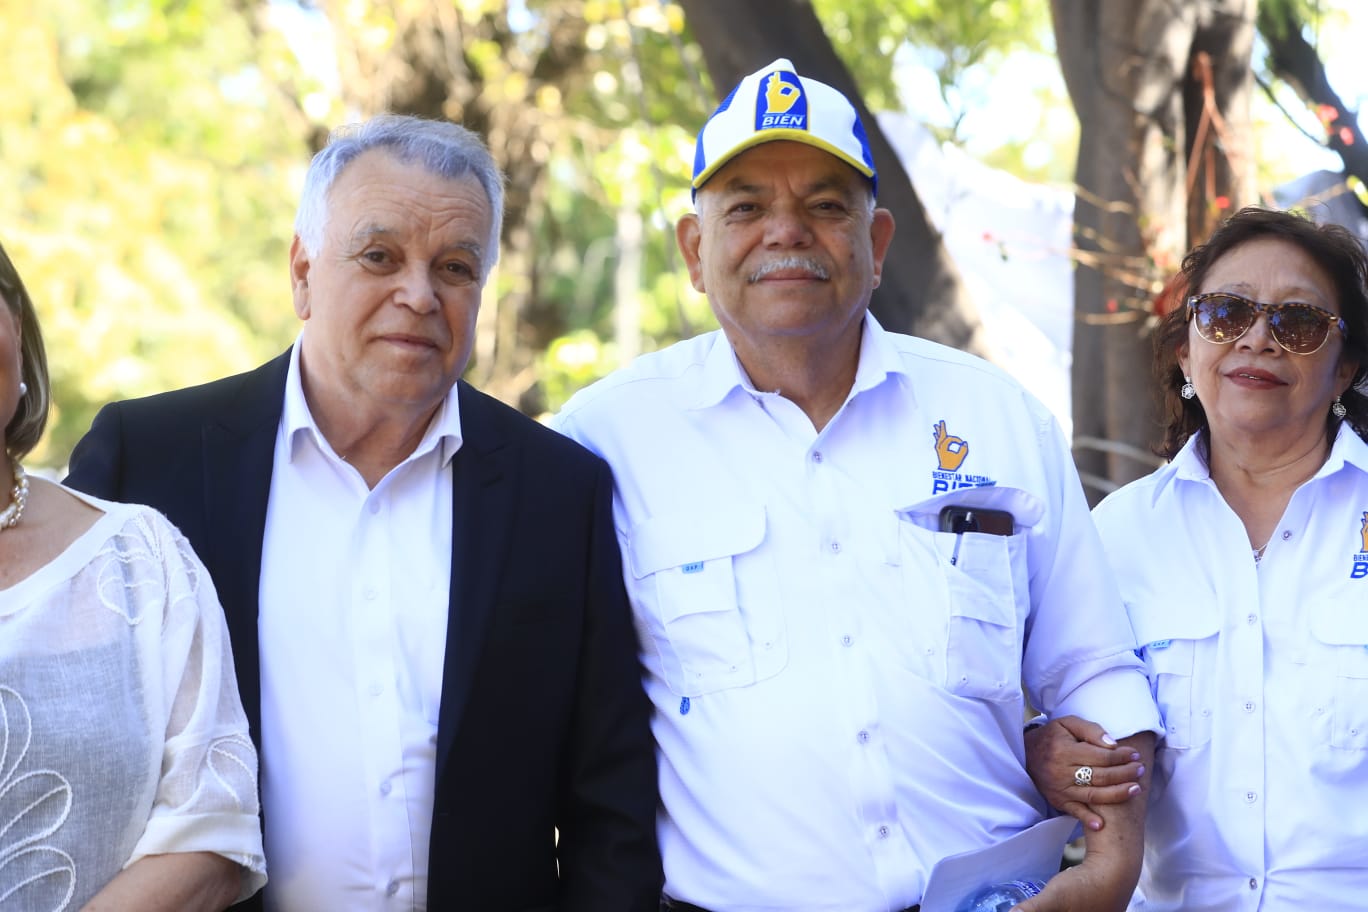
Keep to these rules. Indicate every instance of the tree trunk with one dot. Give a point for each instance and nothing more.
(921, 292)
(1128, 65)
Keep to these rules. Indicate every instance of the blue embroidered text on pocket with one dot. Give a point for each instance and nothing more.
(695, 567)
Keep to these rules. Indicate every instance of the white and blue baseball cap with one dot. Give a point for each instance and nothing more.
(776, 103)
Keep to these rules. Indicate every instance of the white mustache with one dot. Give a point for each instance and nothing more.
(790, 262)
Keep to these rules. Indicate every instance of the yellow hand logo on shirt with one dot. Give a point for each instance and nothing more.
(950, 451)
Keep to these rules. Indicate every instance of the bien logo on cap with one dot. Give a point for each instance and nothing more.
(782, 105)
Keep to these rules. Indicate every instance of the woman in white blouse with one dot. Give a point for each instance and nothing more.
(127, 778)
(1243, 564)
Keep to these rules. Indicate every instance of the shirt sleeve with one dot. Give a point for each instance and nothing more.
(1079, 655)
(206, 799)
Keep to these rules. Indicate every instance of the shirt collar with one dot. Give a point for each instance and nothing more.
(297, 422)
(722, 373)
(1348, 449)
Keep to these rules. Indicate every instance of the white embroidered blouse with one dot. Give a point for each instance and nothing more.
(121, 730)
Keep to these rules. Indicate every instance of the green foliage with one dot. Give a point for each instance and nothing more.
(957, 39)
(151, 214)
(154, 149)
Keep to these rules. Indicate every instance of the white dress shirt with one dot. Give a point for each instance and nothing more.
(355, 585)
(837, 704)
(1260, 798)
(121, 731)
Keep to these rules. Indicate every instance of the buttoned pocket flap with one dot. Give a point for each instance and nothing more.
(1158, 623)
(1342, 623)
(687, 540)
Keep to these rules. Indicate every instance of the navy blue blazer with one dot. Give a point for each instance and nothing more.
(544, 727)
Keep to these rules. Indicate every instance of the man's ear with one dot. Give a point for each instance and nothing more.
(689, 235)
(299, 277)
(881, 227)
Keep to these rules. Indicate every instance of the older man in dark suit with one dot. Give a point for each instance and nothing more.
(423, 587)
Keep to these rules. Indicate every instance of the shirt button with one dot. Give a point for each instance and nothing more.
(817, 456)
(835, 547)
(1251, 797)
(391, 888)
(376, 689)
(1253, 884)
(1287, 534)
(862, 737)
(375, 508)
(370, 593)
(1252, 618)
(385, 787)
(883, 832)
(847, 640)
(1249, 707)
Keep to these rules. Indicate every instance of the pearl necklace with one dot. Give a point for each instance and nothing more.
(10, 516)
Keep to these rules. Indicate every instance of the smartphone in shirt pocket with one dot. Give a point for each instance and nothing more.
(960, 519)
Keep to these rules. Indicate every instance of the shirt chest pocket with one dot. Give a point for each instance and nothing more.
(979, 579)
(1178, 643)
(707, 602)
(1340, 629)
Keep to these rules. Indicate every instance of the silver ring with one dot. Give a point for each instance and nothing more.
(1083, 775)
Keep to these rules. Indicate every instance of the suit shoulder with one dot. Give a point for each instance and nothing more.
(193, 402)
(481, 409)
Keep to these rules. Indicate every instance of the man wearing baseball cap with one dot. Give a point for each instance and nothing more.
(848, 551)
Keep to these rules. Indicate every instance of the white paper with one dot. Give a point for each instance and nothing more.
(1033, 853)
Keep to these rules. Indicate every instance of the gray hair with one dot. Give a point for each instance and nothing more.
(444, 149)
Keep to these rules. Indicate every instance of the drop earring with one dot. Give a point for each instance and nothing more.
(23, 390)
(1187, 390)
(1338, 409)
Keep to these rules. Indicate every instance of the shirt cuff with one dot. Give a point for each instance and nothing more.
(1118, 700)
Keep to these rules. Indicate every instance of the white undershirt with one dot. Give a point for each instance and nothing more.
(354, 596)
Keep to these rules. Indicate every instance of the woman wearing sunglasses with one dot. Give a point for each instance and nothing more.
(1243, 564)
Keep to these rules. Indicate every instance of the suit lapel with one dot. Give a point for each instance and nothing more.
(239, 453)
(481, 514)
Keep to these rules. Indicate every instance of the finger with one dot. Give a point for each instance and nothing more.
(1087, 731)
(1084, 814)
(1112, 794)
(1107, 776)
(1079, 754)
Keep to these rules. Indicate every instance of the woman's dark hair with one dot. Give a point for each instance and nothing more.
(30, 417)
(1333, 248)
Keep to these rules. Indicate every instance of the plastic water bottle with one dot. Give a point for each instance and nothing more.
(1001, 897)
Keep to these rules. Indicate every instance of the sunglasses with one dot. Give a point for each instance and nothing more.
(1298, 328)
